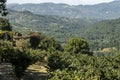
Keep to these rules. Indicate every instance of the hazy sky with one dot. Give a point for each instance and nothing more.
(71, 2)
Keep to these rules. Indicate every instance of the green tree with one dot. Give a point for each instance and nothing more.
(49, 44)
(57, 60)
(21, 60)
(6, 49)
(5, 25)
(34, 41)
(3, 9)
(77, 45)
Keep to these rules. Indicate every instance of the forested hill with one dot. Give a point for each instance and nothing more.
(104, 34)
(54, 26)
(98, 11)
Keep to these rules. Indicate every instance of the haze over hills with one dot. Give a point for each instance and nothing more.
(97, 11)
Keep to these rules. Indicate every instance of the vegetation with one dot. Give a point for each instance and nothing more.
(77, 45)
(83, 67)
(5, 25)
(21, 60)
(97, 11)
(58, 27)
(104, 34)
(3, 9)
(70, 60)
(99, 35)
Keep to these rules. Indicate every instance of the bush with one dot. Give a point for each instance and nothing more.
(57, 60)
(6, 49)
(34, 41)
(83, 67)
(6, 35)
(77, 45)
(5, 25)
(22, 59)
(49, 44)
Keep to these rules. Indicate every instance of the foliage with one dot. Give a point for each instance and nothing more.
(57, 60)
(3, 9)
(67, 64)
(63, 65)
(77, 45)
(5, 25)
(22, 59)
(6, 49)
(6, 35)
(104, 34)
(34, 41)
(60, 28)
(25, 44)
(85, 67)
(49, 44)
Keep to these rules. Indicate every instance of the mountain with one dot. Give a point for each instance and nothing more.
(97, 11)
(60, 28)
(104, 34)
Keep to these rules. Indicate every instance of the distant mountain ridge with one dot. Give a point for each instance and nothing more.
(98, 11)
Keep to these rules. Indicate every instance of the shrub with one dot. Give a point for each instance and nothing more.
(6, 49)
(56, 60)
(5, 25)
(22, 59)
(77, 45)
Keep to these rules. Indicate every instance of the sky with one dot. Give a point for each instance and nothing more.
(71, 2)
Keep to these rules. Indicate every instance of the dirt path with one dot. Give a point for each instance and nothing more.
(6, 73)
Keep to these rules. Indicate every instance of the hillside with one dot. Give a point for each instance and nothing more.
(36, 46)
(104, 34)
(59, 27)
(98, 11)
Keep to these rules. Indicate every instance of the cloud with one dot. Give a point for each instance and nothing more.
(71, 2)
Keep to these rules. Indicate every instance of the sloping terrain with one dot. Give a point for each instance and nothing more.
(59, 27)
(104, 34)
(100, 35)
(98, 11)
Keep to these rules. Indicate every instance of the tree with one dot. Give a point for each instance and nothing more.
(3, 9)
(57, 60)
(5, 25)
(6, 49)
(21, 60)
(50, 44)
(77, 45)
(34, 39)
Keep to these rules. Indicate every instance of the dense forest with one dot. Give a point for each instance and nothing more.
(69, 48)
